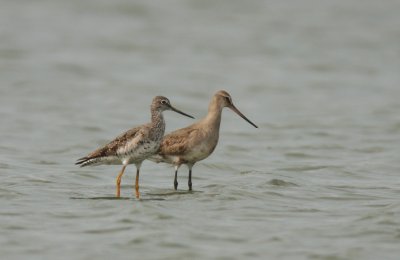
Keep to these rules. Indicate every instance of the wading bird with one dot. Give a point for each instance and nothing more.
(197, 141)
(135, 145)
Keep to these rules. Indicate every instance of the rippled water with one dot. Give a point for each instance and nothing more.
(318, 180)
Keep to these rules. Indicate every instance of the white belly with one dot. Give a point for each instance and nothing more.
(138, 153)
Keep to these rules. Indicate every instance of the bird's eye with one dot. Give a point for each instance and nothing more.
(228, 99)
(164, 102)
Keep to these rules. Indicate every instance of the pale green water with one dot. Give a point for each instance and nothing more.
(318, 180)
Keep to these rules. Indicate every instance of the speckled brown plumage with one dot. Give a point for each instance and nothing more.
(111, 148)
(135, 145)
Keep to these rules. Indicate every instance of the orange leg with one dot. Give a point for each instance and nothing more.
(119, 181)
(137, 184)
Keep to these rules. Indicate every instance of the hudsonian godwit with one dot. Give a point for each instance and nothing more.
(197, 141)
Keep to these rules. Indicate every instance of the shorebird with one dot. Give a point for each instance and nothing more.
(197, 141)
(135, 145)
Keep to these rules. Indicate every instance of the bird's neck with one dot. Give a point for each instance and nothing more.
(213, 118)
(157, 120)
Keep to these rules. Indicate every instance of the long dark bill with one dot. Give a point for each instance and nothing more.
(241, 115)
(180, 112)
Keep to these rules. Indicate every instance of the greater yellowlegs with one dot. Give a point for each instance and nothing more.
(135, 145)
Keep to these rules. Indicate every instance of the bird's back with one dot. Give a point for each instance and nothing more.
(133, 145)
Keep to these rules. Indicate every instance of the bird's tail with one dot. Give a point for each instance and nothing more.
(86, 161)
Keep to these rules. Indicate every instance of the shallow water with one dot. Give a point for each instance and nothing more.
(319, 179)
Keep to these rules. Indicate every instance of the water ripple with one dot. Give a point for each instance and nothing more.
(281, 183)
(107, 230)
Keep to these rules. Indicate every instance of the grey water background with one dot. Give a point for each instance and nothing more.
(319, 179)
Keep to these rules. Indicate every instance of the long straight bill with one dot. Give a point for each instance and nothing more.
(180, 112)
(241, 115)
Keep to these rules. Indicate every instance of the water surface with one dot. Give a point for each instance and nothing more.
(319, 179)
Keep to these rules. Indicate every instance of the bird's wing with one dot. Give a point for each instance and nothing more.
(113, 147)
(177, 142)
